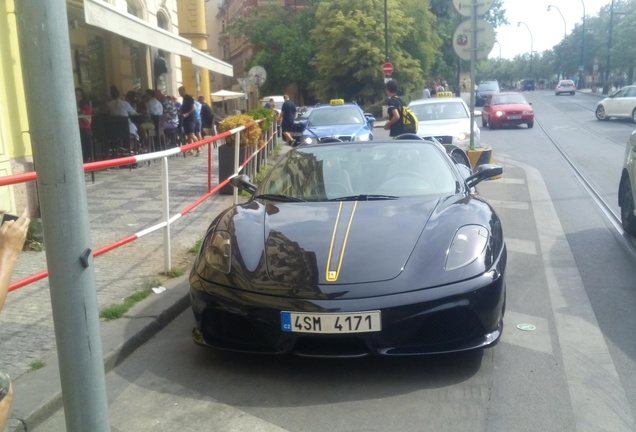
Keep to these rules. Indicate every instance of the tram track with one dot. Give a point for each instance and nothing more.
(592, 191)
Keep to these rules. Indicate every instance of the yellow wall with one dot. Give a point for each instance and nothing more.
(15, 143)
(192, 26)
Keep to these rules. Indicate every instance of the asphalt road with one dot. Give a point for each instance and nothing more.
(570, 275)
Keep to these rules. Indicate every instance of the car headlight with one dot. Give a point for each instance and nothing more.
(309, 140)
(463, 136)
(499, 113)
(363, 137)
(468, 244)
(527, 112)
(218, 252)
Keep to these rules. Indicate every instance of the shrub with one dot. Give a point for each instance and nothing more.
(249, 137)
(266, 114)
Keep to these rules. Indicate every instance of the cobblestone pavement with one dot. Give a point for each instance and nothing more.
(121, 202)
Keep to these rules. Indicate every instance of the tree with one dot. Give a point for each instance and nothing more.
(349, 37)
(281, 44)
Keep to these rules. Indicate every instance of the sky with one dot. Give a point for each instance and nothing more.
(546, 26)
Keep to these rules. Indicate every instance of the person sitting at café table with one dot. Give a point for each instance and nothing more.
(118, 107)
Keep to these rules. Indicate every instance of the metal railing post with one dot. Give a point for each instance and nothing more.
(237, 145)
(165, 214)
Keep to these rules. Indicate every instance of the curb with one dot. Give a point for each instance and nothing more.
(38, 394)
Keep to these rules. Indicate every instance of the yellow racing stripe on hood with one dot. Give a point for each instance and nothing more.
(339, 237)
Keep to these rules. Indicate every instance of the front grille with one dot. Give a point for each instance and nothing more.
(452, 326)
(340, 137)
(220, 326)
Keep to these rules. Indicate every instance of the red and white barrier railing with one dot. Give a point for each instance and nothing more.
(249, 165)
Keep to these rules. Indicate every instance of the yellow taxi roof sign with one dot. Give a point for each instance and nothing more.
(336, 102)
(444, 94)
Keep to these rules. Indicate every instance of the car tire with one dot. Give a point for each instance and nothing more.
(628, 219)
(634, 115)
(530, 125)
(600, 113)
(484, 123)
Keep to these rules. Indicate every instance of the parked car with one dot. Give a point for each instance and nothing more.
(527, 85)
(627, 186)
(621, 104)
(507, 109)
(565, 86)
(339, 120)
(485, 89)
(350, 249)
(445, 119)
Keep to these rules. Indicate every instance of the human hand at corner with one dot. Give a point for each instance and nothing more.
(13, 234)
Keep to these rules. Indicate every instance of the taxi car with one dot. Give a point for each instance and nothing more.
(506, 109)
(621, 104)
(447, 119)
(627, 186)
(345, 250)
(339, 120)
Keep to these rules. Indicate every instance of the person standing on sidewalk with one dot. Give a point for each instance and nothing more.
(395, 107)
(12, 237)
(288, 114)
(188, 113)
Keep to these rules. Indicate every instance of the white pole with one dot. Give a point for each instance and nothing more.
(237, 145)
(165, 200)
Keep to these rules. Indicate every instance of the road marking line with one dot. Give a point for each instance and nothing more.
(597, 396)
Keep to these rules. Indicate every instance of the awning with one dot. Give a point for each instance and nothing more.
(100, 14)
(199, 58)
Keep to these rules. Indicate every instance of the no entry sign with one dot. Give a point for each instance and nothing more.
(387, 68)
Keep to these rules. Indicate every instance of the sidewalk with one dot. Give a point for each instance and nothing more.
(121, 202)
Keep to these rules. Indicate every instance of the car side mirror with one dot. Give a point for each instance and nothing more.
(370, 118)
(483, 172)
(242, 182)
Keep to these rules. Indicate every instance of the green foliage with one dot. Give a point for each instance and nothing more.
(174, 272)
(196, 247)
(35, 237)
(37, 364)
(266, 114)
(118, 310)
(249, 137)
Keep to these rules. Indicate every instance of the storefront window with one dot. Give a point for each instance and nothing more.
(135, 67)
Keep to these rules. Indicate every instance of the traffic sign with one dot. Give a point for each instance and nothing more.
(462, 40)
(387, 68)
(465, 6)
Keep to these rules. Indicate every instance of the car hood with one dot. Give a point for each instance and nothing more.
(334, 130)
(443, 127)
(331, 242)
(511, 107)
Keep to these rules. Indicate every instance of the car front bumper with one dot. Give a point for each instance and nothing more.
(463, 316)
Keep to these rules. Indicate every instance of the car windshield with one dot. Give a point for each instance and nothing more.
(508, 99)
(440, 111)
(336, 116)
(303, 115)
(488, 87)
(369, 171)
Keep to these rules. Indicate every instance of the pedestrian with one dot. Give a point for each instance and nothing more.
(426, 93)
(188, 113)
(85, 116)
(394, 124)
(12, 236)
(288, 113)
(207, 118)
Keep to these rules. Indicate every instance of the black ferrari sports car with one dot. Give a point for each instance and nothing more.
(349, 249)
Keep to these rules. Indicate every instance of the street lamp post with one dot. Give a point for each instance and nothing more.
(386, 31)
(565, 27)
(581, 63)
(606, 86)
(565, 32)
(531, 43)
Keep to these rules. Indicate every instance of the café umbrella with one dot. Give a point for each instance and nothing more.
(223, 95)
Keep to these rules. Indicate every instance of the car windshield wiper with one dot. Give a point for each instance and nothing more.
(365, 197)
(279, 197)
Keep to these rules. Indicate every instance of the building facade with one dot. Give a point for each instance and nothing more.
(131, 44)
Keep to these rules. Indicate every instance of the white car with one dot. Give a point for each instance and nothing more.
(445, 119)
(627, 186)
(621, 103)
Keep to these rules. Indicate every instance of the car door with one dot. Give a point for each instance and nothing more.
(615, 104)
(629, 102)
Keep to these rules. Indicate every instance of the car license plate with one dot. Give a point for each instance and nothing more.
(514, 117)
(354, 322)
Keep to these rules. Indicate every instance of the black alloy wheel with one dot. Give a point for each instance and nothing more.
(628, 219)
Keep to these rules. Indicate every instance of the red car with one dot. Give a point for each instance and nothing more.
(507, 109)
